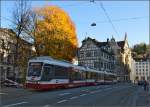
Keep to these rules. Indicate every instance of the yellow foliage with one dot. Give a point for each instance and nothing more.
(56, 33)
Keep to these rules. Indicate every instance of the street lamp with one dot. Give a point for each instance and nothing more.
(93, 24)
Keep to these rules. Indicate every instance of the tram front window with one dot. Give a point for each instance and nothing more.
(35, 69)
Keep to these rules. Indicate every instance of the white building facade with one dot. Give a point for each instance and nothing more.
(140, 70)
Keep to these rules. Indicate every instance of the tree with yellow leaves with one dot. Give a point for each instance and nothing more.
(55, 33)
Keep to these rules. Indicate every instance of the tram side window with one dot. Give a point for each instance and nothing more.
(77, 76)
(107, 77)
(61, 72)
(84, 75)
(101, 76)
(47, 72)
(89, 75)
(93, 75)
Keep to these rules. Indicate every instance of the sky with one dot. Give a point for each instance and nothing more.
(126, 16)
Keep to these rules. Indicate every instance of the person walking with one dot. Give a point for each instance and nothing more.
(145, 85)
(148, 86)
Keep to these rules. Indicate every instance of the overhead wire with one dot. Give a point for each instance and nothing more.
(109, 19)
(124, 19)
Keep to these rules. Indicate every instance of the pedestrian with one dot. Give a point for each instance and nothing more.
(148, 86)
(145, 85)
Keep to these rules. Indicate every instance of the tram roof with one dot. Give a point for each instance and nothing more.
(109, 73)
(50, 60)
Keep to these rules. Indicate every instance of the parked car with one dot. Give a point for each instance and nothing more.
(10, 83)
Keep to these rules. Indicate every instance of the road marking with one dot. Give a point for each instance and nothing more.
(46, 106)
(93, 92)
(83, 95)
(74, 97)
(64, 94)
(3, 93)
(85, 90)
(15, 104)
(61, 101)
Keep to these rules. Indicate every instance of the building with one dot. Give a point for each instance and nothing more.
(141, 69)
(111, 56)
(8, 69)
(123, 58)
(96, 55)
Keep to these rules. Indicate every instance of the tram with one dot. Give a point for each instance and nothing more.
(45, 73)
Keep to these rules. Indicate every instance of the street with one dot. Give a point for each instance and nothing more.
(122, 94)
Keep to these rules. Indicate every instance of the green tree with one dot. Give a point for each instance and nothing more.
(140, 50)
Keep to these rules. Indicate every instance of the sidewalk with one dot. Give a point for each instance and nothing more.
(143, 98)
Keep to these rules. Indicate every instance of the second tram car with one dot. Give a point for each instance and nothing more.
(47, 73)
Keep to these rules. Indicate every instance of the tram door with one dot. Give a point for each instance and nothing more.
(71, 75)
(47, 72)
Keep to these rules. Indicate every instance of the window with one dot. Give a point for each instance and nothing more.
(81, 54)
(35, 69)
(95, 53)
(61, 72)
(83, 75)
(88, 45)
(48, 72)
(102, 64)
(88, 75)
(76, 75)
(96, 65)
(88, 54)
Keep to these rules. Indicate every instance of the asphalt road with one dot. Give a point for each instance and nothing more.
(102, 95)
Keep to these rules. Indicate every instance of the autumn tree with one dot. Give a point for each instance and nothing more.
(55, 33)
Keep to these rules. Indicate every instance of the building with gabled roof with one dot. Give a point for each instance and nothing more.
(110, 56)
